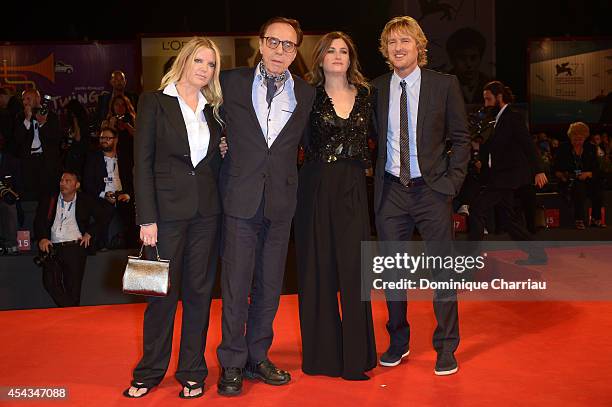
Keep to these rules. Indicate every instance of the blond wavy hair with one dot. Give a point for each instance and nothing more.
(410, 25)
(316, 76)
(578, 129)
(212, 91)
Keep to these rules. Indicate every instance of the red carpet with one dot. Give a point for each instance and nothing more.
(511, 354)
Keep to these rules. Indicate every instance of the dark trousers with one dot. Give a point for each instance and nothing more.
(430, 211)
(526, 196)
(330, 223)
(503, 200)
(129, 230)
(191, 246)
(65, 286)
(580, 190)
(253, 256)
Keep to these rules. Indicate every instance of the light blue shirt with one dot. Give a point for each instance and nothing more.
(413, 87)
(274, 119)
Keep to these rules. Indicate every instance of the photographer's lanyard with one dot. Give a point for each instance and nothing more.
(65, 213)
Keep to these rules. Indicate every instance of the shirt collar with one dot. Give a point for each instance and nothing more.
(171, 90)
(260, 80)
(410, 79)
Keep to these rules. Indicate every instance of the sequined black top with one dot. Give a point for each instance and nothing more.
(333, 138)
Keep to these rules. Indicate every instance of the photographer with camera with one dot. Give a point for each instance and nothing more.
(108, 177)
(118, 83)
(10, 189)
(77, 140)
(576, 167)
(64, 228)
(38, 138)
(122, 117)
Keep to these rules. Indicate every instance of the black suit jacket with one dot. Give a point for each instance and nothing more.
(250, 169)
(95, 172)
(86, 212)
(514, 158)
(50, 138)
(167, 187)
(441, 120)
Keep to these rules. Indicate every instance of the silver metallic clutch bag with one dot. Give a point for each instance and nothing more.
(147, 277)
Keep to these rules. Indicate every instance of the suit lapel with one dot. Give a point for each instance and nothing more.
(171, 107)
(383, 112)
(424, 98)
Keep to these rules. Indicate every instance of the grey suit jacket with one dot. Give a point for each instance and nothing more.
(250, 169)
(441, 122)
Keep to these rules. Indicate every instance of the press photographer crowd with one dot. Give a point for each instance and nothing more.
(76, 175)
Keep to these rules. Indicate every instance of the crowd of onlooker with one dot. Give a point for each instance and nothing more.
(37, 147)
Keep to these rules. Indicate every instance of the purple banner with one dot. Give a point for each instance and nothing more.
(67, 71)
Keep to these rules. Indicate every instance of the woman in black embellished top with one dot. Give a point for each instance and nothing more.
(332, 217)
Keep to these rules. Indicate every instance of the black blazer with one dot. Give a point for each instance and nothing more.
(50, 138)
(441, 119)
(514, 158)
(86, 213)
(251, 169)
(167, 187)
(95, 172)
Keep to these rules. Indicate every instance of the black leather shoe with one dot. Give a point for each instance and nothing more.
(268, 373)
(230, 382)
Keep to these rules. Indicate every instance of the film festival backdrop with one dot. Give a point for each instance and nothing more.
(67, 71)
(570, 80)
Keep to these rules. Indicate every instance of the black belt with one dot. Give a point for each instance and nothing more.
(414, 182)
(68, 243)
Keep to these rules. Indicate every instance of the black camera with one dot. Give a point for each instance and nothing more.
(7, 194)
(45, 258)
(122, 118)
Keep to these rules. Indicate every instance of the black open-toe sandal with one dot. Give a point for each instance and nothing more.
(126, 392)
(191, 387)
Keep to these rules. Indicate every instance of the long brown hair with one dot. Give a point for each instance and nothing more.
(129, 108)
(316, 76)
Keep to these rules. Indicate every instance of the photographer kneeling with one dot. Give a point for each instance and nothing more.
(64, 227)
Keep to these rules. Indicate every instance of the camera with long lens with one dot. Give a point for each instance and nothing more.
(7, 194)
(45, 258)
(43, 110)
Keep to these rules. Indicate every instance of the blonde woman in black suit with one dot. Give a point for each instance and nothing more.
(178, 209)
